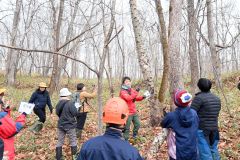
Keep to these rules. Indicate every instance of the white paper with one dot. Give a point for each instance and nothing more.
(26, 107)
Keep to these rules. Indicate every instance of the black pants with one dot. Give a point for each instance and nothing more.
(41, 113)
(1, 148)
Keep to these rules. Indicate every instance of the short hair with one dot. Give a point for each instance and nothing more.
(125, 78)
(80, 86)
(204, 84)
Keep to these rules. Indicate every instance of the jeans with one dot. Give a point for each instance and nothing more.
(41, 113)
(136, 125)
(208, 145)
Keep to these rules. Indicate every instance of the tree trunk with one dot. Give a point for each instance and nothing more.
(56, 37)
(193, 46)
(144, 63)
(175, 16)
(12, 56)
(164, 41)
(107, 36)
(63, 60)
(211, 36)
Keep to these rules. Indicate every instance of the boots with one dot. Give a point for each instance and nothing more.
(36, 127)
(79, 133)
(74, 152)
(39, 127)
(58, 153)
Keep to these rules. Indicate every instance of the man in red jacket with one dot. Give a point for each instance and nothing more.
(130, 95)
(9, 128)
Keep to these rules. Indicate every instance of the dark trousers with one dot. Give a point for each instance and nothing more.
(41, 113)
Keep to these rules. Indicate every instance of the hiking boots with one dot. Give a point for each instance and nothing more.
(74, 152)
(59, 153)
(36, 127)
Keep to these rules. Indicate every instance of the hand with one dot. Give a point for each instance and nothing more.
(147, 94)
(138, 89)
(164, 111)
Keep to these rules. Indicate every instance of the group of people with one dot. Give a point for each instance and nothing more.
(192, 128)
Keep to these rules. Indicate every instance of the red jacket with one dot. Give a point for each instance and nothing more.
(8, 129)
(130, 96)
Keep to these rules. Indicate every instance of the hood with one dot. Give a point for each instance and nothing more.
(185, 116)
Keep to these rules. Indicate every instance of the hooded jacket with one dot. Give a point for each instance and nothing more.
(130, 96)
(184, 122)
(110, 146)
(8, 130)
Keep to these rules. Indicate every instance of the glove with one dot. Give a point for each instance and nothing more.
(146, 94)
(137, 89)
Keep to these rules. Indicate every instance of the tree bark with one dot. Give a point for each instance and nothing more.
(194, 68)
(175, 16)
(211, 36)
(12, 57)
(144, 62)
(164, 41)
(107, 39)
(56, 38)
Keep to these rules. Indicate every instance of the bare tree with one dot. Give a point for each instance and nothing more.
(12, 60)
(175, 16)
(56, 38)
(144, 62)
(192, 46)
(164, 41)
(211, 36)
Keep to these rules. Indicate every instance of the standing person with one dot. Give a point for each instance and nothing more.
(207, 106)
(184, 124)
(40, 98)
(111, 145)
(83, 97)
(9, 127)
(130, 95)
(67, 112)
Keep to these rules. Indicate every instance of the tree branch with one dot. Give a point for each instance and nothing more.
(50, 52)
(82, 33)
(114, 36)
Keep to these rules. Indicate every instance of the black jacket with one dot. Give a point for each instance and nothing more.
(67, 113)
(207, 106)
(41, 99)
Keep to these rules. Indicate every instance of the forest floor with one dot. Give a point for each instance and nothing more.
(41, 146)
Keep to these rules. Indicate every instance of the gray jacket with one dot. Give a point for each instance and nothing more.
(67, 113)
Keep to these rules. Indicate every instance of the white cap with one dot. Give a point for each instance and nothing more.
(64, 92)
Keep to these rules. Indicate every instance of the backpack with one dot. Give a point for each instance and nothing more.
(76, 100)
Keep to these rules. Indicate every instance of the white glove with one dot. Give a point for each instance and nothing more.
(147, 94)
(77, 105)
(26, 107)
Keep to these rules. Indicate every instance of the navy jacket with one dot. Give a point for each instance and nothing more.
(207, 106)
(110, 146)
(184, 122)
(41, 99)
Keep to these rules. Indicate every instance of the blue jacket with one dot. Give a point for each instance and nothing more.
(184, 122)
(110, 146)
(41, 99)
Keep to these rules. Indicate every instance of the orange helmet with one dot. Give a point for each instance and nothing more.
(115, 111)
